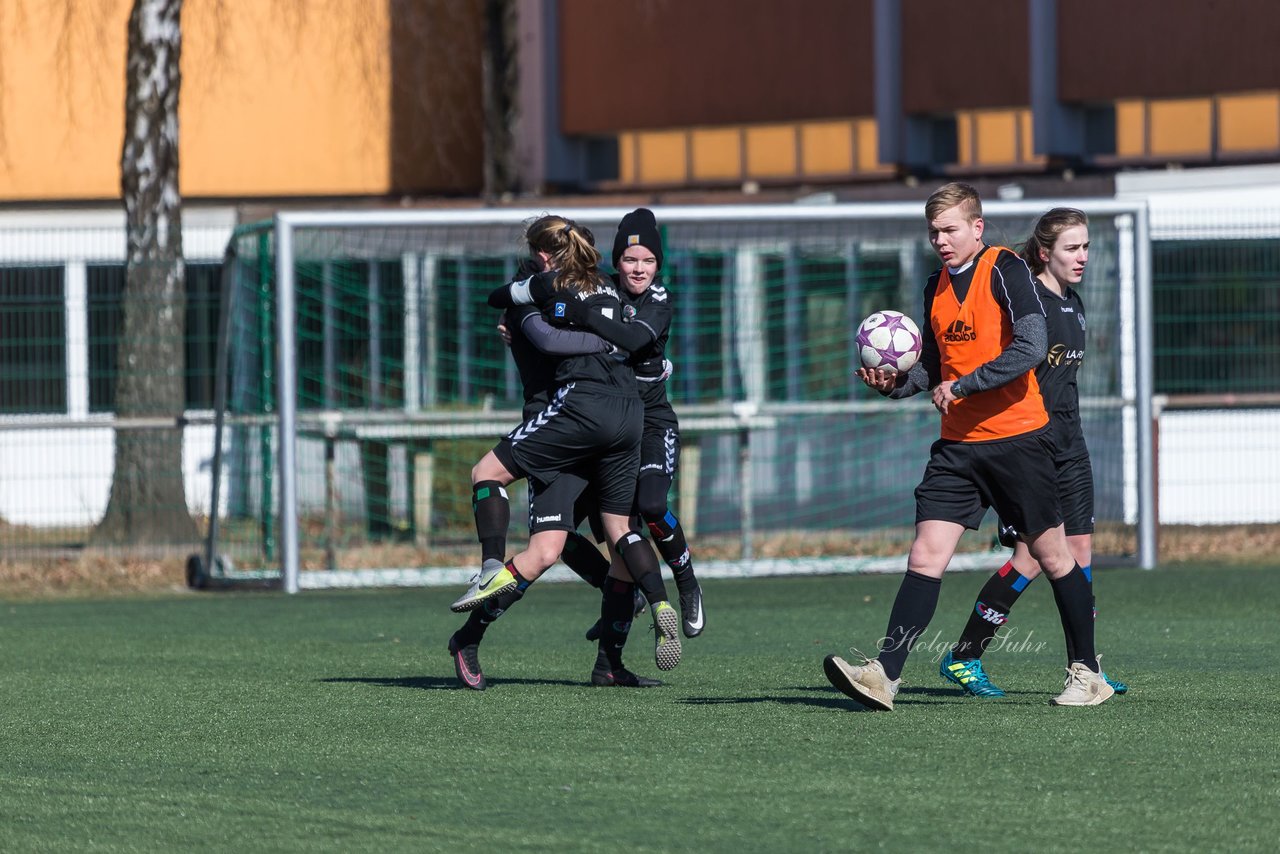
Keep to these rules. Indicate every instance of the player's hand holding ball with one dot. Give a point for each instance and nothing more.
(880, 379)
(888, 343)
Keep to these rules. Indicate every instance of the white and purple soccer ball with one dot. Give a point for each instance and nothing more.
(889, 340)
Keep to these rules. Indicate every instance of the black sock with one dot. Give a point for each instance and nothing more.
(479, 620)
(643, 566)
(990, 611)
(669, 538)
(1074, 595)
(615, 620)
(584, 558)
(493, 517)
(912, 610)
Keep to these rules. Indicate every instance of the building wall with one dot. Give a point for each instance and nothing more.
(956, 58)
(279, 98)
(1154, 49)
(703, 92)
(640, 65)
(316, 98)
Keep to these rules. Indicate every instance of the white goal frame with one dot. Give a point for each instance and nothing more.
(1135, 295)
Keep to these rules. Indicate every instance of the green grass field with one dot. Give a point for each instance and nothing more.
(330, 721)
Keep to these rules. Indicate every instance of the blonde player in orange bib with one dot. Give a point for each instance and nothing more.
(984, 336)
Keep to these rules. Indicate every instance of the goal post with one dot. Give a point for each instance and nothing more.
(363, 361)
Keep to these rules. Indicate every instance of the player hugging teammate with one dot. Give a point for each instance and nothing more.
(582, 437)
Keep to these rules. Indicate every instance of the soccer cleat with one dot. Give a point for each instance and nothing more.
(620, 677)
(466, 665)
(1116, 685)
(969, 675)
(494, 579)
(666, 636)
(1083, 688)
(866, 683)
(593, 633)
(692, 618)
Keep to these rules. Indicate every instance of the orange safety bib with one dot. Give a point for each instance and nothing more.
(970, 334)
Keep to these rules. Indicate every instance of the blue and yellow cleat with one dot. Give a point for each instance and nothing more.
(1116, 685)
(969, 675)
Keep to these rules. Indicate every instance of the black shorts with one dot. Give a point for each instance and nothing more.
(590, 433)
(1015, 476)
(660, 451)
(587, 509)
(1075, 492)
(552, 505)
(502, 450)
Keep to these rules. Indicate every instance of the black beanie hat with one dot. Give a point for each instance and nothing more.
(638, 228)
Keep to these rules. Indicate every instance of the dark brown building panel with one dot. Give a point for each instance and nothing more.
(437, 118)
(637, 64)
(963, 56)
(1162, 49)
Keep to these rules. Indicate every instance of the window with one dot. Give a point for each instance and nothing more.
(105, 286)
(33, 356)
(1217, 315)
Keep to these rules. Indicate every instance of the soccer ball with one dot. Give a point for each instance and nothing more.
(889, 340)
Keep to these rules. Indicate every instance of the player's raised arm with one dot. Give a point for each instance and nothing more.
(536, 288)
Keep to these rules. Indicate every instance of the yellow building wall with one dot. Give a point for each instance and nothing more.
(1249, 122)
(286, 103)
(279, 97)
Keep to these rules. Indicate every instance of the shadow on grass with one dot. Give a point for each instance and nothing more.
(830, 698)
(836, 701)
(436, 683)
(917, 690)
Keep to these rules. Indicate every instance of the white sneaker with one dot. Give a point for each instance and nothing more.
(866, 683)
(1083, 688)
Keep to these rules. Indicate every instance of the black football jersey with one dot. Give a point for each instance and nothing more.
(604, 369)
(1065, 319)
(654, 309)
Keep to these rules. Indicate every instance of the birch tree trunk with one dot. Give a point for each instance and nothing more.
(148, 499)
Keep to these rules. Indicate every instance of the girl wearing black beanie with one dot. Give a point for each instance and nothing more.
(648, 308)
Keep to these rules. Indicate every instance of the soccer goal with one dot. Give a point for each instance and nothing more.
(361, 376)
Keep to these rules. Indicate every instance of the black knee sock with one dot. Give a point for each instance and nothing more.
(1074, 595)
(493, 517)
(643, 566)
(1093, 611)
(990, 611)
(479, 620)
(912, 610)
(669, 537)
(615, 620)
(584, 558)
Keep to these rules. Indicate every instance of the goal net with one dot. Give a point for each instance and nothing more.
(363, 376)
